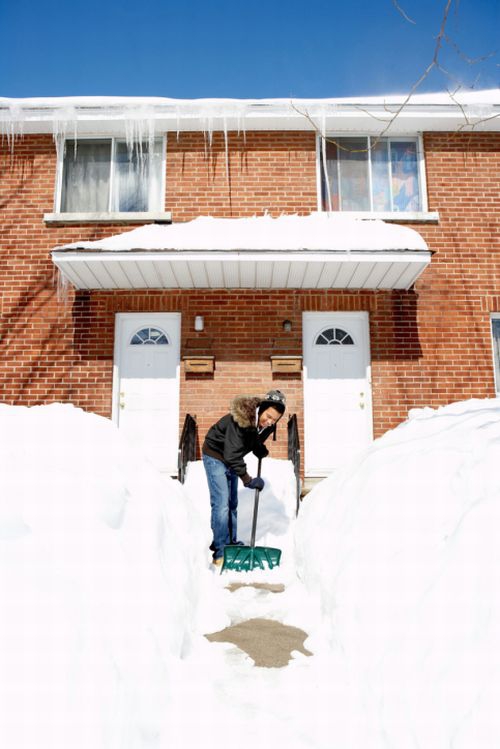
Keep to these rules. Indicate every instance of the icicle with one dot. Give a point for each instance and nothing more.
(151, 134)
(210, 131)
(226, 146)
(12, 128)
(165, 169)
(323, 161)
(245, 112)
(64, 121)
(241, 124)
(8, 128)
(11, 136)
(59, 140)
(131, 135)
(63, 287)
(60, 144)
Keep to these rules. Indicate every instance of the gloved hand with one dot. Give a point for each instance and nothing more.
(256, 483)
(261, 451)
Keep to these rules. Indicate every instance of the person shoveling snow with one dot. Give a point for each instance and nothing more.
(250, 421)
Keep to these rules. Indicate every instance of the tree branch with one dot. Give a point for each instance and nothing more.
(400, 10)
(468, 60)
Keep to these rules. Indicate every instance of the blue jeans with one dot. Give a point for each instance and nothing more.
(223, 487)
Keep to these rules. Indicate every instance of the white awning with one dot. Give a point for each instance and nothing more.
(319, 251)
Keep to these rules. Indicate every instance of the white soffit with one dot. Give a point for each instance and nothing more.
(319, 251)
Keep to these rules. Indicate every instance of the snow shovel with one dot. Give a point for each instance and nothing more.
(245, 558)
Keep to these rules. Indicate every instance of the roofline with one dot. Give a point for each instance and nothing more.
(440, 111)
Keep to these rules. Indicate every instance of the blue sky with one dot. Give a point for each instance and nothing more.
(227, 48)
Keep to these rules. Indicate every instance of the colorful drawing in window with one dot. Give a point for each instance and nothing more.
(405, 191)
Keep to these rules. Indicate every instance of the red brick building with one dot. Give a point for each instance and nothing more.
(354, 341)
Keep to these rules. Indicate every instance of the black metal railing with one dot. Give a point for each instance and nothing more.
(294, 453)
(187, 446)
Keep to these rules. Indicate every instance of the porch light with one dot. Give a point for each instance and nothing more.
(199, 323)
(287, 326)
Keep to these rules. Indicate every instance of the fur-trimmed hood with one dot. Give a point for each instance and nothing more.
(236, 434)
(243, 409)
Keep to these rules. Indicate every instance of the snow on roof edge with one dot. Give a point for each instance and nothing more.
(485, 96)
(140, 118)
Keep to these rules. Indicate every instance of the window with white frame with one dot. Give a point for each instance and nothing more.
(495, 333)
(108, 175)
(365, 173)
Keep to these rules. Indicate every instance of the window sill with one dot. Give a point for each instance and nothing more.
(164, 217)
(408, 216)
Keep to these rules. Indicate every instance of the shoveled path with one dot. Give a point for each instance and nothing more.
(269, 643)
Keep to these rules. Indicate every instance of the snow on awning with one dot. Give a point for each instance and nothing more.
(319, 251)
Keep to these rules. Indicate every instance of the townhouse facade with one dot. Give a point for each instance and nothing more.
(159, 257)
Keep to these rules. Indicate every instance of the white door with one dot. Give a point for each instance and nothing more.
(146, 386)
(337, 392)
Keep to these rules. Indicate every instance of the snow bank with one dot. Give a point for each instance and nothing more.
(106, 594)
(402, 551)
(98, 585)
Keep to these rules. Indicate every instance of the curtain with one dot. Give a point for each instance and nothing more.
(86, 177)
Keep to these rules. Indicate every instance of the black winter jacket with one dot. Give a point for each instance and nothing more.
(235, 435)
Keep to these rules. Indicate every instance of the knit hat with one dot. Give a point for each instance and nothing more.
(274, 399)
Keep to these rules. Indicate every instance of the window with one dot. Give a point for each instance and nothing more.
(150, 336)
(495, 331)
(108, 175)
(334, 337)
(370, 174)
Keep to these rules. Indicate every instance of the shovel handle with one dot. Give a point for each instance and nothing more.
(255, 507)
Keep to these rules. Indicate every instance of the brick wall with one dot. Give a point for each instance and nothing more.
(429, 346)
(264, 171)
(40, 360)
(457, 293)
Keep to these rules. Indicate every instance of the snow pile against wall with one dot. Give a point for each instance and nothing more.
(98, 587)
(402, 549)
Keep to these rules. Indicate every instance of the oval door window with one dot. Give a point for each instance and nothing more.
(153, 336)
(335, 337)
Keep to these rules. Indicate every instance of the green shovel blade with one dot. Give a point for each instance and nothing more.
(245, 558)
